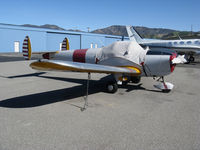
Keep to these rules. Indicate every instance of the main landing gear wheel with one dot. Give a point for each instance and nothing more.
(112, 87)
(135, 79)
(191, 59)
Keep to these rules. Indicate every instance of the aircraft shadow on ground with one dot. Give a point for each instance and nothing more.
(44, 98)
(27, 75)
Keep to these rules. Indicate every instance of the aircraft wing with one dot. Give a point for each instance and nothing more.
(197, 52)
(58, 65)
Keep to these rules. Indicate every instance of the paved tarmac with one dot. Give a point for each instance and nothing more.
(41, 110)
(9, 57)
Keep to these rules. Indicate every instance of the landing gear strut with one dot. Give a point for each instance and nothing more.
(166, 89)
(190, 58)
(86, 97)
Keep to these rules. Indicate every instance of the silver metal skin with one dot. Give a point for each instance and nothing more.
(189, 47)
(114, 61)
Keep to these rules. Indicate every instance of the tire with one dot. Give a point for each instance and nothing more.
(191, 59)
(112, 87)
(135, 79)
(124, 82)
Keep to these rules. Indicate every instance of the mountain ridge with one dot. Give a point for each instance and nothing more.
(145, 32)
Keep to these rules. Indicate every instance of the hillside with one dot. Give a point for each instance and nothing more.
(46, 26)
(156, 33)
(145, 32)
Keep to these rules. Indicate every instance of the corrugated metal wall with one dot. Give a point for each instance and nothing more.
(9, 36)
(53, 40)
(89, 41)
(49, 40)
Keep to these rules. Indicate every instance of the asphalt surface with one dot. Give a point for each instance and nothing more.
(41, 110)
(9, 57)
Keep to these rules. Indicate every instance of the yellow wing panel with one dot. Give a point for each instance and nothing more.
(53, 65)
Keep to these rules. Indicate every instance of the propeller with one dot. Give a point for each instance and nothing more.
(179, 60)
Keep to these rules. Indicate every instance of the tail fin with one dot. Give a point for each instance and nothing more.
(133, 35)
(65, 44)
(26, 49)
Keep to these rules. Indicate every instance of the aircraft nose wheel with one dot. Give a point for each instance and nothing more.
(112, 87)
(191, 59)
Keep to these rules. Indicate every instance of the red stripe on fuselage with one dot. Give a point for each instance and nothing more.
(79, 55)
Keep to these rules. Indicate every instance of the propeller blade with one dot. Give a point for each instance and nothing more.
(179, 60)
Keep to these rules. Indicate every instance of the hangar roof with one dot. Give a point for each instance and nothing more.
(19, 27)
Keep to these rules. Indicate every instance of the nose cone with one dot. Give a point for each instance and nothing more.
(172, 59)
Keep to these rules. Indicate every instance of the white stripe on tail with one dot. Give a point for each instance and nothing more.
(26, 48)
(65, 44)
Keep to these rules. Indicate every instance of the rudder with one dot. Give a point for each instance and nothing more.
(133, 34)
(26, 49)
(65, 44)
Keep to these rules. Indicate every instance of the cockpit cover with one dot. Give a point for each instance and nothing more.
(128, 50)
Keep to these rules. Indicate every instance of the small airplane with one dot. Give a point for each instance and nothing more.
(127, 61)
(188, 47)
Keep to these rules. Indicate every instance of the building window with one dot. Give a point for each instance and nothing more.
(197, 42)
(16, 46)
(170, 43)
(189, 42)
(182, 43)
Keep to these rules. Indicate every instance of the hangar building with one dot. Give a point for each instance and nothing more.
(12, 36)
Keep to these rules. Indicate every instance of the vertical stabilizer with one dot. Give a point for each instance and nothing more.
(133, 35)
(65, 44)
(26, 49)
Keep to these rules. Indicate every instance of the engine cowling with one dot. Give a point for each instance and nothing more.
(159, 63)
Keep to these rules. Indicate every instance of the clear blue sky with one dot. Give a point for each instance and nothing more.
(80, 14)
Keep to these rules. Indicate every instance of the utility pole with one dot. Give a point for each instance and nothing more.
(191, 29)
(88, 29)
